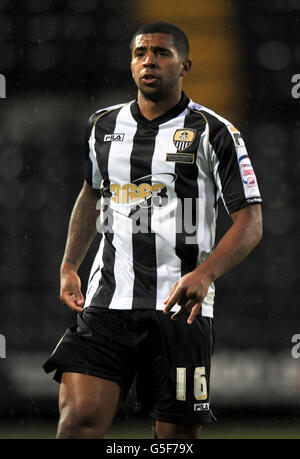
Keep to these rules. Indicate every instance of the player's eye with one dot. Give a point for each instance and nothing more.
(163, 52)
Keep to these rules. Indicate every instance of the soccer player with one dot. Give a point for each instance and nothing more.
(155, 169)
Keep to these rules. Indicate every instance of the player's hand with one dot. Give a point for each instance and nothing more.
(70, 290)
(189, 293)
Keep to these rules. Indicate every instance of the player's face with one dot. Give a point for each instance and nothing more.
(157, 68)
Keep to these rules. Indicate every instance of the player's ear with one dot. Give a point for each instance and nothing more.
(185, 67)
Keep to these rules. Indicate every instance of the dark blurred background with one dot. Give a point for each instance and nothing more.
(62, 61)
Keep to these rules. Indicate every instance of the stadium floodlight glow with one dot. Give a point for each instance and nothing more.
(2, 87)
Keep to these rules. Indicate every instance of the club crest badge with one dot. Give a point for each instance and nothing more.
(183, 138)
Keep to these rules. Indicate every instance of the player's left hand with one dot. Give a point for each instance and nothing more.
(189, 293)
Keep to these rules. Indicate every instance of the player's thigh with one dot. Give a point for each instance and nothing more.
(88, 398)
(166, 430)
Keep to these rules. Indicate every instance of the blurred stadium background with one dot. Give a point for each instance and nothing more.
(64, 60)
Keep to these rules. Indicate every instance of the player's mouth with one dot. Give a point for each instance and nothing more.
(149, 77)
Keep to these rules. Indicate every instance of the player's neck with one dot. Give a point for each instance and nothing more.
(152, 109)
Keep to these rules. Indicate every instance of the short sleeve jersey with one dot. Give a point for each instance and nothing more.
(160, 183)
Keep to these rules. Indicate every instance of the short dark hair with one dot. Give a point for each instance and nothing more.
(180, 39)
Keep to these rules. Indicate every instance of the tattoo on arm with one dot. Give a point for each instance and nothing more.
(82, 227)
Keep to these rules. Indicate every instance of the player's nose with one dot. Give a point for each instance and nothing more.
(149, 60)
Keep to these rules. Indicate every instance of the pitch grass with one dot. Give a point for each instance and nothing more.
(255, 429)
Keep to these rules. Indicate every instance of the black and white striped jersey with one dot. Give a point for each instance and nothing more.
(160, 181)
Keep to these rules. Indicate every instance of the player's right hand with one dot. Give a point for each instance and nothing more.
(70, 291)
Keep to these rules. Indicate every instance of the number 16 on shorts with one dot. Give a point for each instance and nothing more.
(200, 384)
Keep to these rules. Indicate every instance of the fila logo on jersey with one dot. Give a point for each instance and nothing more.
(201, 406)
(114, 137)
(183, 138)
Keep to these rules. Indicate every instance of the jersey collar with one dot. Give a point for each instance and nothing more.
(172, 113)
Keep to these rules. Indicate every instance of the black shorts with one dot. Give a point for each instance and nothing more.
(170, 359)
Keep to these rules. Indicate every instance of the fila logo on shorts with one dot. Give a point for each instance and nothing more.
(201, 406)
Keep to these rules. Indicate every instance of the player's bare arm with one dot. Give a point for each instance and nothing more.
(82, 231)
(236, 244)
